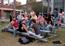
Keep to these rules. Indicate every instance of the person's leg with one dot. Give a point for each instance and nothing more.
(35, 35)
(13, 31)
(10, 30)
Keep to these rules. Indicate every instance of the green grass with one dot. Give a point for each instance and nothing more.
(3, 24)
(62, 35)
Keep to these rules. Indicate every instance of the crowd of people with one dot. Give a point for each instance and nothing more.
(36, 23)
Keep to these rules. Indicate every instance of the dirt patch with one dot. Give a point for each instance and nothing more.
(6, 39)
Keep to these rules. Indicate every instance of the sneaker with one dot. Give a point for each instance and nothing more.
(39, 36)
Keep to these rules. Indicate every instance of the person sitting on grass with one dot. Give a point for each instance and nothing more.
(14, 26)
(33, 15)
(24, 26)
(35, 27)
(14, 23)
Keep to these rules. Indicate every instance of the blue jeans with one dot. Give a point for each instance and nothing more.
(14, 31)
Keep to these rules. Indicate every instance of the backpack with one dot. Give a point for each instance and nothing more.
(23, 40)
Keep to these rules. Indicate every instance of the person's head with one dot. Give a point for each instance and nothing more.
(14, 18)
(53, 15)
(62, 13)
(61, 10)
(37, 21)
(32, 13)
(39, 15)
(56, 9)
(33, 21)
(49, 22)
(22, 15)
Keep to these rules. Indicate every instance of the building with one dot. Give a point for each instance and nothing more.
(7, 8)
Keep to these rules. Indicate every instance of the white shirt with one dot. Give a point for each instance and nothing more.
(19, 17)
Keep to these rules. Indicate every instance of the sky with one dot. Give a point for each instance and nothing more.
(22, 1)
(6, 1)
(38, 0)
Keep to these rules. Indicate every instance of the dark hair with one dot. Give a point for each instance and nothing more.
(23, 15)
(34, 21)
(56, 9)
(53, 15)
(61, 10)
(14, 17)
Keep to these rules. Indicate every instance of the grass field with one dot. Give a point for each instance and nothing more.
(6, 39)
(3, 24)
(62, 35)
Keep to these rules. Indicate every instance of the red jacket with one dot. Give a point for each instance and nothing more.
(14, 23)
